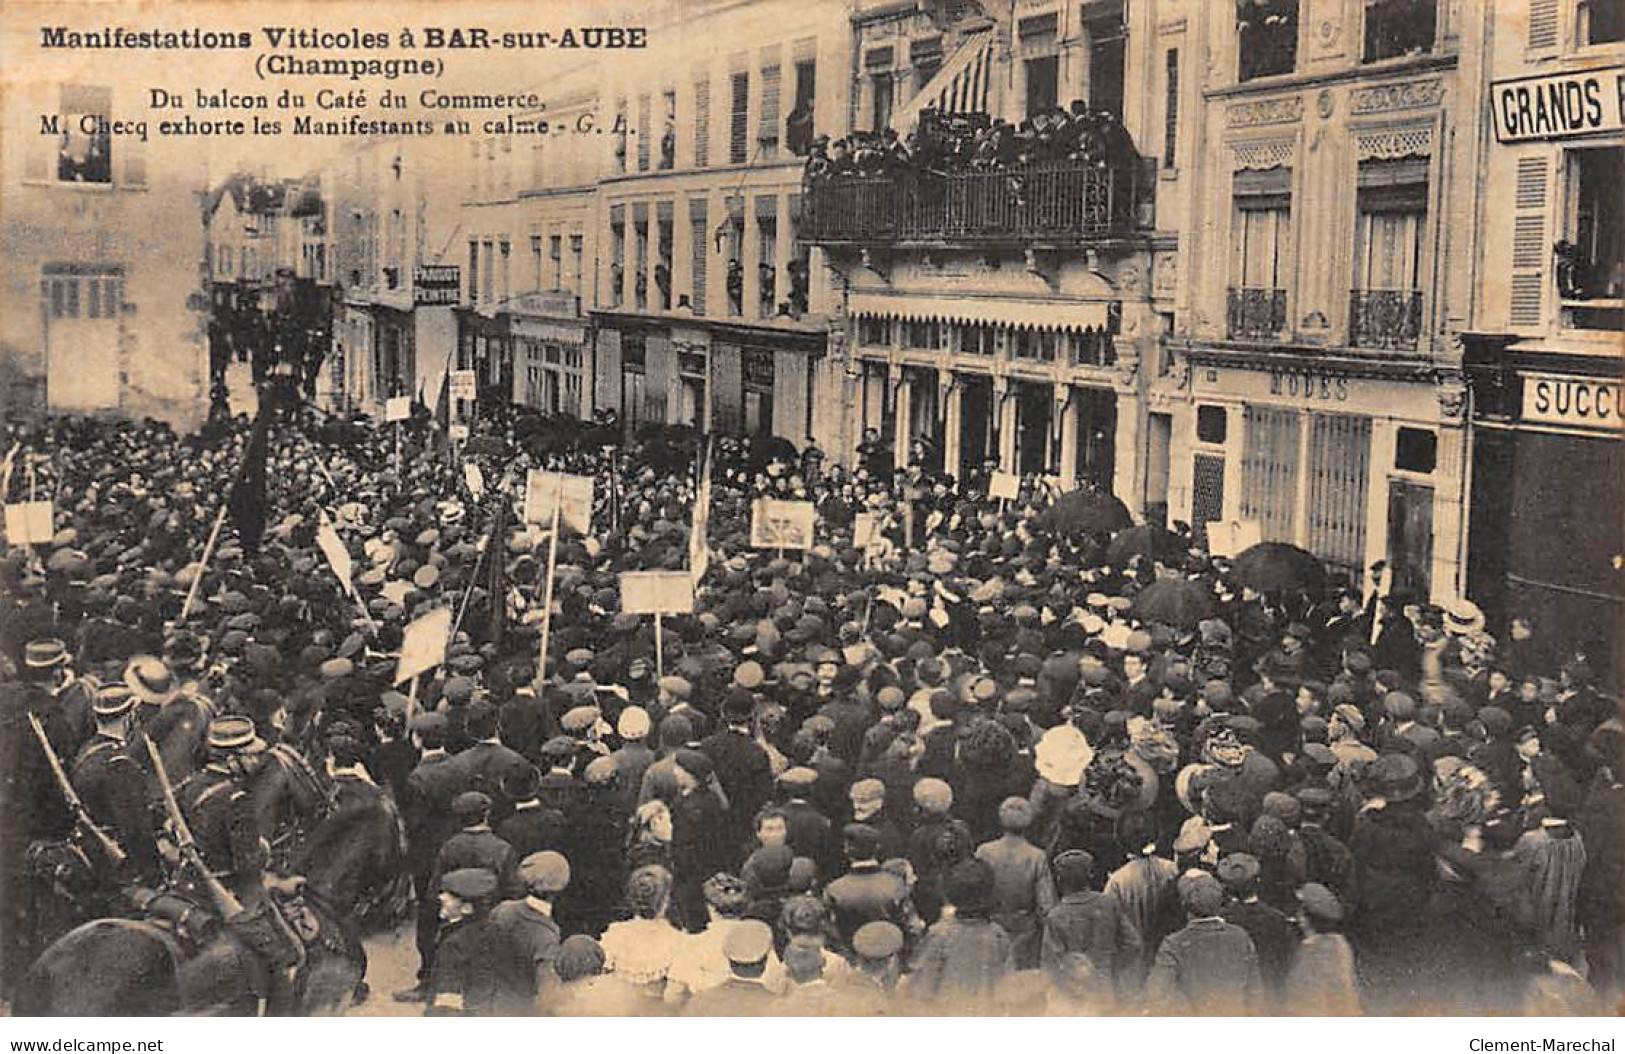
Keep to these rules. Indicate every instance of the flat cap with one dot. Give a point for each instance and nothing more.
(877, 940)
(678, 687)
(545, 872)
(867, 792)
(633, 723)
(599, 770)
(696, 763)
(799, 776)
(473, 884)
(470, 804)
(933, 795)
(1320, 902)
(579, 718)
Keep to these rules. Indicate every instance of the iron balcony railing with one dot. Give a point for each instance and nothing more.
(1255, 314)
(1043, 201)
(1390, 319)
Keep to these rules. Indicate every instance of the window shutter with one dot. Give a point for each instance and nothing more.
(700, 245)
(645, 132)
(1170, 128)
(1543, 19)
(702, 122)
(1529, 242)
(768, 134)
(739, 116)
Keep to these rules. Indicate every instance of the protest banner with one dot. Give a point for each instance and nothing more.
(423, 644)
(1004, 485)
(573, 494)
(776, 524)
(458, 433)
(332, 547)
(29, 522)
(398, 408)
(657, 592)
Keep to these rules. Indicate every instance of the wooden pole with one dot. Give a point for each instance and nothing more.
(412, 700)
(203, 565)
(660, 650)
(552, 563)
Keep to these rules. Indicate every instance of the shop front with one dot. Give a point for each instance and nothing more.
(1546, 535)
(551, 354)
(1353, 461)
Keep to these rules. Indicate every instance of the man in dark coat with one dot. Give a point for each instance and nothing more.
(698, 838)
(476, 845)
(1274, 936)
(867, 892)
(429, 822)
(742, 766)
(528, 922)
(1395, 874)
(487, 763)
(532, 826)
(113, 786)
(478, 969)
(1089, 922)
(808, 831)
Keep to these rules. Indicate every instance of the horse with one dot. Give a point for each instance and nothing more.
(141, 967)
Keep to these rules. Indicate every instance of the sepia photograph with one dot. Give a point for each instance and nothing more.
(813, 509)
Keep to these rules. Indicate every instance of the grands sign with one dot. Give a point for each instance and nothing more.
(1559, 105)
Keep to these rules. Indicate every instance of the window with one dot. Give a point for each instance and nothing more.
(473, 270)
(978, 339)
(84, 152)
(767, 132)
(223, 261)
(1103, 21)
(738, 116)
(1398, 27)
(923, 334)
(1390, 217)
(1268, 37)
(617, 254)
(874, 332)
(1043, 83)
(506, 250)
(1035, 344)
(1602, 21)
(668, 130)
(1212, 424)
(1170, 109)
(1260, 227)
(702, 123)
(926, 58)
(1416, 449)
(488, 267)
(767, 246)
(1590, 278)
(619, 131)
(640, 249)
(801, 125)
(575, 264)
(877, 65)
(663, 248)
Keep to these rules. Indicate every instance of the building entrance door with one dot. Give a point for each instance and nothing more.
(976, 411)
(1410, 536)
(1034, 408)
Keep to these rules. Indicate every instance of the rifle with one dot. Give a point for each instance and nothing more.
(228, 904)
(81, 815)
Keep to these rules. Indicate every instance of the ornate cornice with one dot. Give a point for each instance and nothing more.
(1414, 369)
(1287, 109)
(1405, 95)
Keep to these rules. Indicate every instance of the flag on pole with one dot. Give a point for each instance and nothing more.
(699, 548)
(247, 503)
(332, 547)
(496, 571)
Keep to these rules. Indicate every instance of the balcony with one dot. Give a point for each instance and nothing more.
(1255, 314)
(1386, 319)
(1061, 201)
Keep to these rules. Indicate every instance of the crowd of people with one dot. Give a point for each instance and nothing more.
(943, 144)
(968, 765)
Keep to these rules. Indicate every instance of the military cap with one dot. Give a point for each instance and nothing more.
(149, 678)
(233, 733)
(748, 941)
(877, 940)
(633, 723)
(1238, 870)
(580, 657)
(545, 872)
(471, 805)
(695, 762)
(933, 795)
(113, 700)
(599, 770)
(579, 718)
(473, 884)
(1319, 902)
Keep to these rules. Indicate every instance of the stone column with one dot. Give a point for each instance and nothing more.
(1070, 412)
(949, 395)
(903, 392)
(1004, 409)
(1447, 577)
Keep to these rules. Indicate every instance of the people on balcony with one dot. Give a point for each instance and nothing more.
(946, 144)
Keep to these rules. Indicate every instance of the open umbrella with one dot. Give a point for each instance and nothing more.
(1276, 567)
(1177, 602)
(1147, 540)
(1084, 512)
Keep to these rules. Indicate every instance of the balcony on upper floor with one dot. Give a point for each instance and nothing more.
(1255, 313)
(1385, 319)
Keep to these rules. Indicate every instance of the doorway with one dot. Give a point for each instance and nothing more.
(1097, 437)
(975, 433)
(1410, 537)
(1035, 408)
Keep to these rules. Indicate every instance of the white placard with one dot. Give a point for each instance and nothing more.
(865, 528)
(458, 433)
(423, 645)
(657, 592)
(542, 489)
(398, 408)
(475, 479)
(29, 522)
(1004, 485)
(464, 384)
(776, 524)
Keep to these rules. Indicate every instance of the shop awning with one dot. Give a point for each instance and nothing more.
(960, 86)
(1057, 313)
